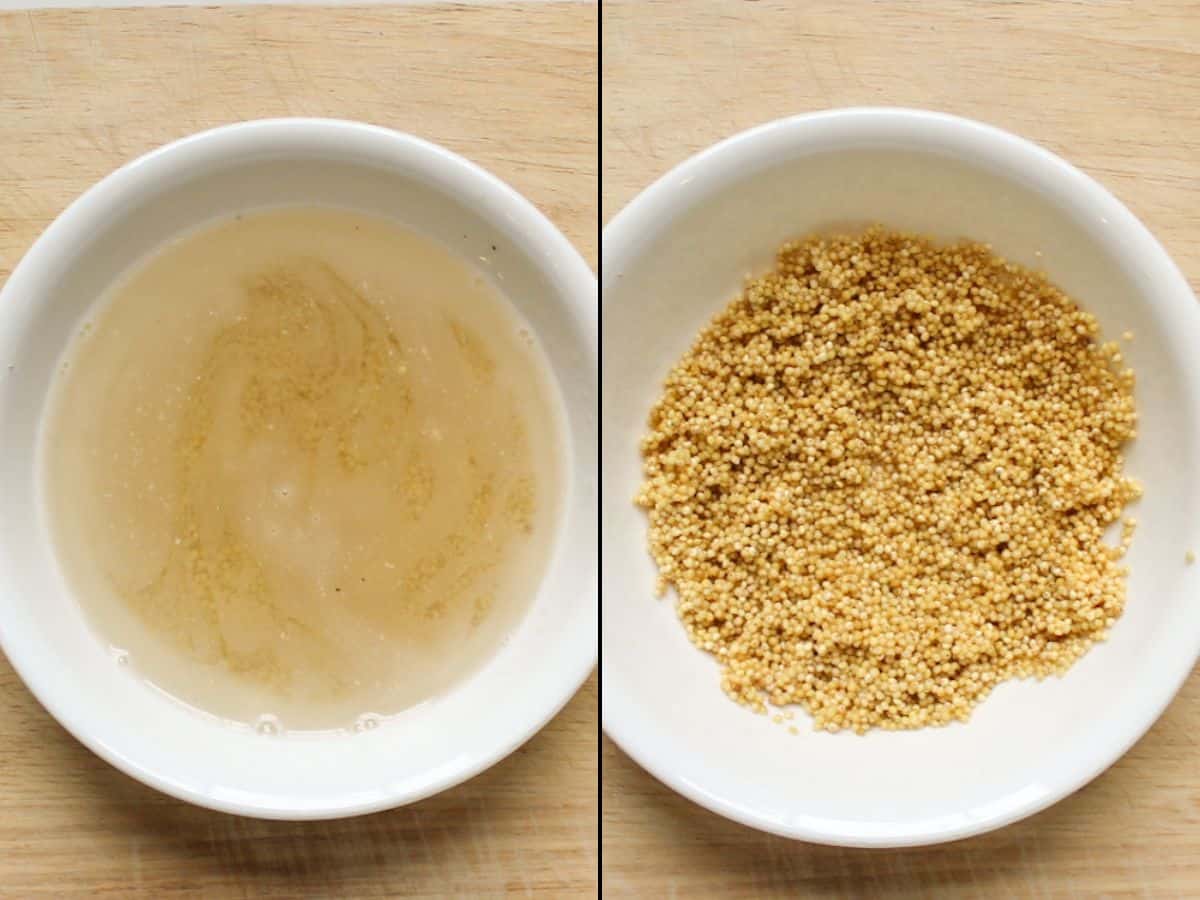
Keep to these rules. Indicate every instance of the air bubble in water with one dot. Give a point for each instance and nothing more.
(121, 657)
(268, 725)
(366, 722)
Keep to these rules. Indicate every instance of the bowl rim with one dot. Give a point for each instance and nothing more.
(715, 167)
(556, 257)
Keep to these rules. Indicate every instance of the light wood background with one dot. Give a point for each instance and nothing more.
(511, 87)
(1114, 87)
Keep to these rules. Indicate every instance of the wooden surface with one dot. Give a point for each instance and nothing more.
(1113, 86)
(82, 91)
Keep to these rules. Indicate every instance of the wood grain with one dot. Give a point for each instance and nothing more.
(1113, 87)
(512, 87)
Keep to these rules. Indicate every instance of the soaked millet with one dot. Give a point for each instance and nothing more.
(880, 480)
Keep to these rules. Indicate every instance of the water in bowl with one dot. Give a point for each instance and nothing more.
(304, 468)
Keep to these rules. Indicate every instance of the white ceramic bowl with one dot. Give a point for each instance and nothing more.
(676, 255)
(214, 175)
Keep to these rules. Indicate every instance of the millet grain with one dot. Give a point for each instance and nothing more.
(880, 479)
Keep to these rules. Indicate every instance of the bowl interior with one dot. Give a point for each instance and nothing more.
(1029, 743)
(431, 746)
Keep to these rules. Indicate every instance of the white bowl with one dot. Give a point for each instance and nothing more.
(676, 255)
(214, 175)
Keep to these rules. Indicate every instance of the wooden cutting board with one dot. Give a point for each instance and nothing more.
(1113, 86)
(512, 87)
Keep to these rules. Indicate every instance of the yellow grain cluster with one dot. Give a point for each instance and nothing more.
(880, 479)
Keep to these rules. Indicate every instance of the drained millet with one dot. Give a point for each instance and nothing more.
(880, 480)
